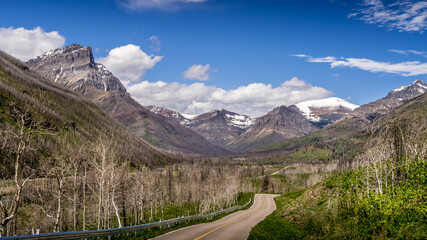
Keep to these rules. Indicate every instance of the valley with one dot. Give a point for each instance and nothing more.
(206, 119)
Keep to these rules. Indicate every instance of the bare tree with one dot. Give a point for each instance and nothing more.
(20, 143)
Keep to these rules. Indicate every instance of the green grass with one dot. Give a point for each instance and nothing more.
(275, 226)
(338, 208)
(309, 153)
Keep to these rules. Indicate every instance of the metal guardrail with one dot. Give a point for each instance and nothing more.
(123, 230)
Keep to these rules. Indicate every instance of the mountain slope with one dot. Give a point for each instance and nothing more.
(62, 112)
(75, 67)
(279, 124)
(326, 111)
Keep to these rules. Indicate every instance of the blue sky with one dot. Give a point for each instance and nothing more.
(244, 42)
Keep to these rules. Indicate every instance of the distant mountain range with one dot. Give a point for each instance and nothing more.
(357, 120)
(212, 132)
(218, 126)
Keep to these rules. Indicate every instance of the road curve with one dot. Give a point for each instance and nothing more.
(235, 226)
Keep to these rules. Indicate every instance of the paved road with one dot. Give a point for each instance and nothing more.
(234, 226)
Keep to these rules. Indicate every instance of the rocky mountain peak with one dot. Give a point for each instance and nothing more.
(419, 82)
(74, 66)
(393, 99)
(408, 92)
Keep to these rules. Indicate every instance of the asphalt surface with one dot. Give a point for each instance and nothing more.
(234, 226)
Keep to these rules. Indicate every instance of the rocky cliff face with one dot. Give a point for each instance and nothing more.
(279, 124)
(74, 67)
(393, 99)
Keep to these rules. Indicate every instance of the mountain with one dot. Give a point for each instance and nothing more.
(279, 124)
(220, 126)
(60, 113)
(74, 67)
(393, 99)
(358, 119)
(325, 111)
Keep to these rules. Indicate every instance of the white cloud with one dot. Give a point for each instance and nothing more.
(404, 16)
(25, 44)
(409, 68)
(129, 62)
(255, 99)
(299, 55)
(197, 72)
(407, 52)
(155, 43)
(166, 5)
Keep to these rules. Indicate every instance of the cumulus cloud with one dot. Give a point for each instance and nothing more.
(129, 62)
(409, 68)
(29, 43)
(404, 16)
(197, 72)
(255, 99)
(166, 5)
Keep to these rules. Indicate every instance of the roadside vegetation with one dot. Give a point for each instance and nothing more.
(381, 196)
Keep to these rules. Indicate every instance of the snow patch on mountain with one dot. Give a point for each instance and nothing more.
(332, 103)
(189, 116)
(240, 121)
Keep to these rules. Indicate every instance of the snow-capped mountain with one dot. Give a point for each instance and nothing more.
(417, 88)
(323, 112)
(393, 99)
